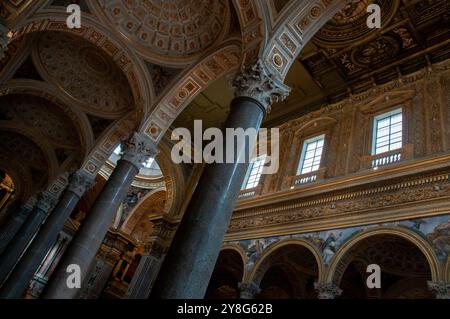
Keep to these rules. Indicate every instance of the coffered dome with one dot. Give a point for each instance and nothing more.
(173, 28)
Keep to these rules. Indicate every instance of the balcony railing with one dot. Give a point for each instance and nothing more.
(387, 158)
(247, 193)
(303, 179)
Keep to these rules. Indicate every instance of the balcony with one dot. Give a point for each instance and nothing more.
(387, 158)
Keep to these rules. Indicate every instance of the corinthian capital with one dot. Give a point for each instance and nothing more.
(80, 182)
(440, 289)
(46, 201)
(257, 81)
(327, 290)
(4, 40)
(138, 149)
(248, 290)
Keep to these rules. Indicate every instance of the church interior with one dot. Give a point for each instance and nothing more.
(88, 185)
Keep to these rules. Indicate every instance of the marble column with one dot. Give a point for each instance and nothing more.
(4, 40)
(190, 261)
(87, 241)
(46, 202)
(19, 279)
(440, 289)
(248, 291)
(150, 263)
(327, 290)
(14, 222)
(102, 267)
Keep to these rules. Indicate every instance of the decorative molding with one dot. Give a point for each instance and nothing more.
(327, 290)
(259, 83)
(80, 182)
(440, 289)
(138, 149)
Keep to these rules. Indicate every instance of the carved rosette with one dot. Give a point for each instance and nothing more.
(4, 40)
(248, 291)
(80, 182)
(257, 82)
(138, 149)
(327, 290)
(440, 289)
(46, 201)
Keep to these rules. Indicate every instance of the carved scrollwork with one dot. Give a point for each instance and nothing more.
(80, 182)
(257, 82)
(138, 149)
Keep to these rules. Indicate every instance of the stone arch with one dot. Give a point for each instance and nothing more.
(447, 270)
(227, 274)
(137, 212)
(41, 89)
(237, 249)
(341, 259)
(298, 25)
(264, 261)
(43, 145)
(224, 61)
(54, 19)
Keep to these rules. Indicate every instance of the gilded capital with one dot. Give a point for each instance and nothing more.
(138, 149)
(258, 82)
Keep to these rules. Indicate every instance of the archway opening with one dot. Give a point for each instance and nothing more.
(288, 273)
(404, 269)
(224, 283)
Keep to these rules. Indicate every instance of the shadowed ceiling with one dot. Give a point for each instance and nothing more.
(345, 58)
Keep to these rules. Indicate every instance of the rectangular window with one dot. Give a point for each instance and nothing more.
(311, 155)
(388, 131)
(254, 172)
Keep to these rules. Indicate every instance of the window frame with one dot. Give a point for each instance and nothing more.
(244, 186)
(382, 116)
(305, 144)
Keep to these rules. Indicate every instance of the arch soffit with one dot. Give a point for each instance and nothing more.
(253, 276)
(401, 232)
(133, 67)
(48, 92)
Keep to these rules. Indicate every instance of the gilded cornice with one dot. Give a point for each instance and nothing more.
(407, 191)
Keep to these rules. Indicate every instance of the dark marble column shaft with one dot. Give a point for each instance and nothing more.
(19, 243)
(190, 261)
(19, 279)
(87, 241)
(14, 222)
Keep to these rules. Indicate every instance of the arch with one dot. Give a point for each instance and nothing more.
(254, 35)
(447, 270)
(253, 276)
(133, 67)
(136, 213)
(228, 273)
(44, 146)
(410, 236)
(297, 26)
(224, 61)
(239, 250)
(48, 92)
